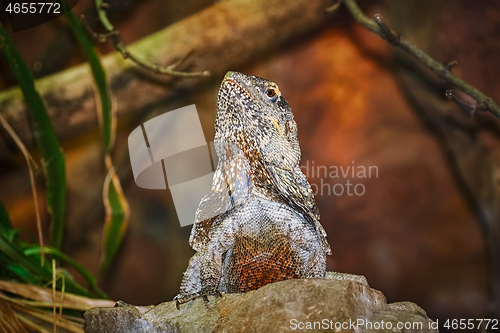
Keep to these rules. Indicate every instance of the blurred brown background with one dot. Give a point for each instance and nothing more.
(413, 233)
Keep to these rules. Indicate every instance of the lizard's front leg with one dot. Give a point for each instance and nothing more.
(207, 266)
(192, 286)
(211, 272)
(212, 267)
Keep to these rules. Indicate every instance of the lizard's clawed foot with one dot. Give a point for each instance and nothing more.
(204, 293)
(184, 299)
(209, 292)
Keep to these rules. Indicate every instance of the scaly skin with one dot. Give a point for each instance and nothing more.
(260, 223)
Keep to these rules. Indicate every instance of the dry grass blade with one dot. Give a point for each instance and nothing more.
(17, 140)
(54, 281)
(47, 317)
(45, 295)
(5, 326)
(31, 325)
(48, 305)
(11, 317)
(30, 161)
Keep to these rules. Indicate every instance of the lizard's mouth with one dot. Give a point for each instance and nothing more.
(231, 81)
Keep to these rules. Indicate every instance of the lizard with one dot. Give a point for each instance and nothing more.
(259, 223)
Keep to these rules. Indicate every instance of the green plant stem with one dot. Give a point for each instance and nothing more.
(102, 16)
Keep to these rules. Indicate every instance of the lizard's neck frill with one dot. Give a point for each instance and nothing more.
(265, 193)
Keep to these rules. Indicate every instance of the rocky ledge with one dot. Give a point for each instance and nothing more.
(341, 302)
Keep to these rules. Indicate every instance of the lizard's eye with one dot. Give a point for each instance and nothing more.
(271, 94)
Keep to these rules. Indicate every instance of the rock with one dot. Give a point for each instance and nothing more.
(340, 302)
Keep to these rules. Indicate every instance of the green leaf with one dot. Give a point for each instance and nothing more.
(32, 264)
(22, 273)
(114, 228)
(115, 202)
(51, 153)
(55, 253)
(99, 76)
(16, 255)
(5, 224)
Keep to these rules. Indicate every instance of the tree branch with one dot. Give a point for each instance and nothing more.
(115, 36)
(222, 37)
(379, 27)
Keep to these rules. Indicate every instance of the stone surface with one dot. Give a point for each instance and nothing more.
(338, 303)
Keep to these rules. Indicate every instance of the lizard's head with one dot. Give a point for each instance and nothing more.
(252, 113)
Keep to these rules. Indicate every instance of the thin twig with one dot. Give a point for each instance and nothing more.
(450, 64)
(156, 68)
(380, 28)
(470, 108)
(115, 37)
(387, 33)
(333, 7)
